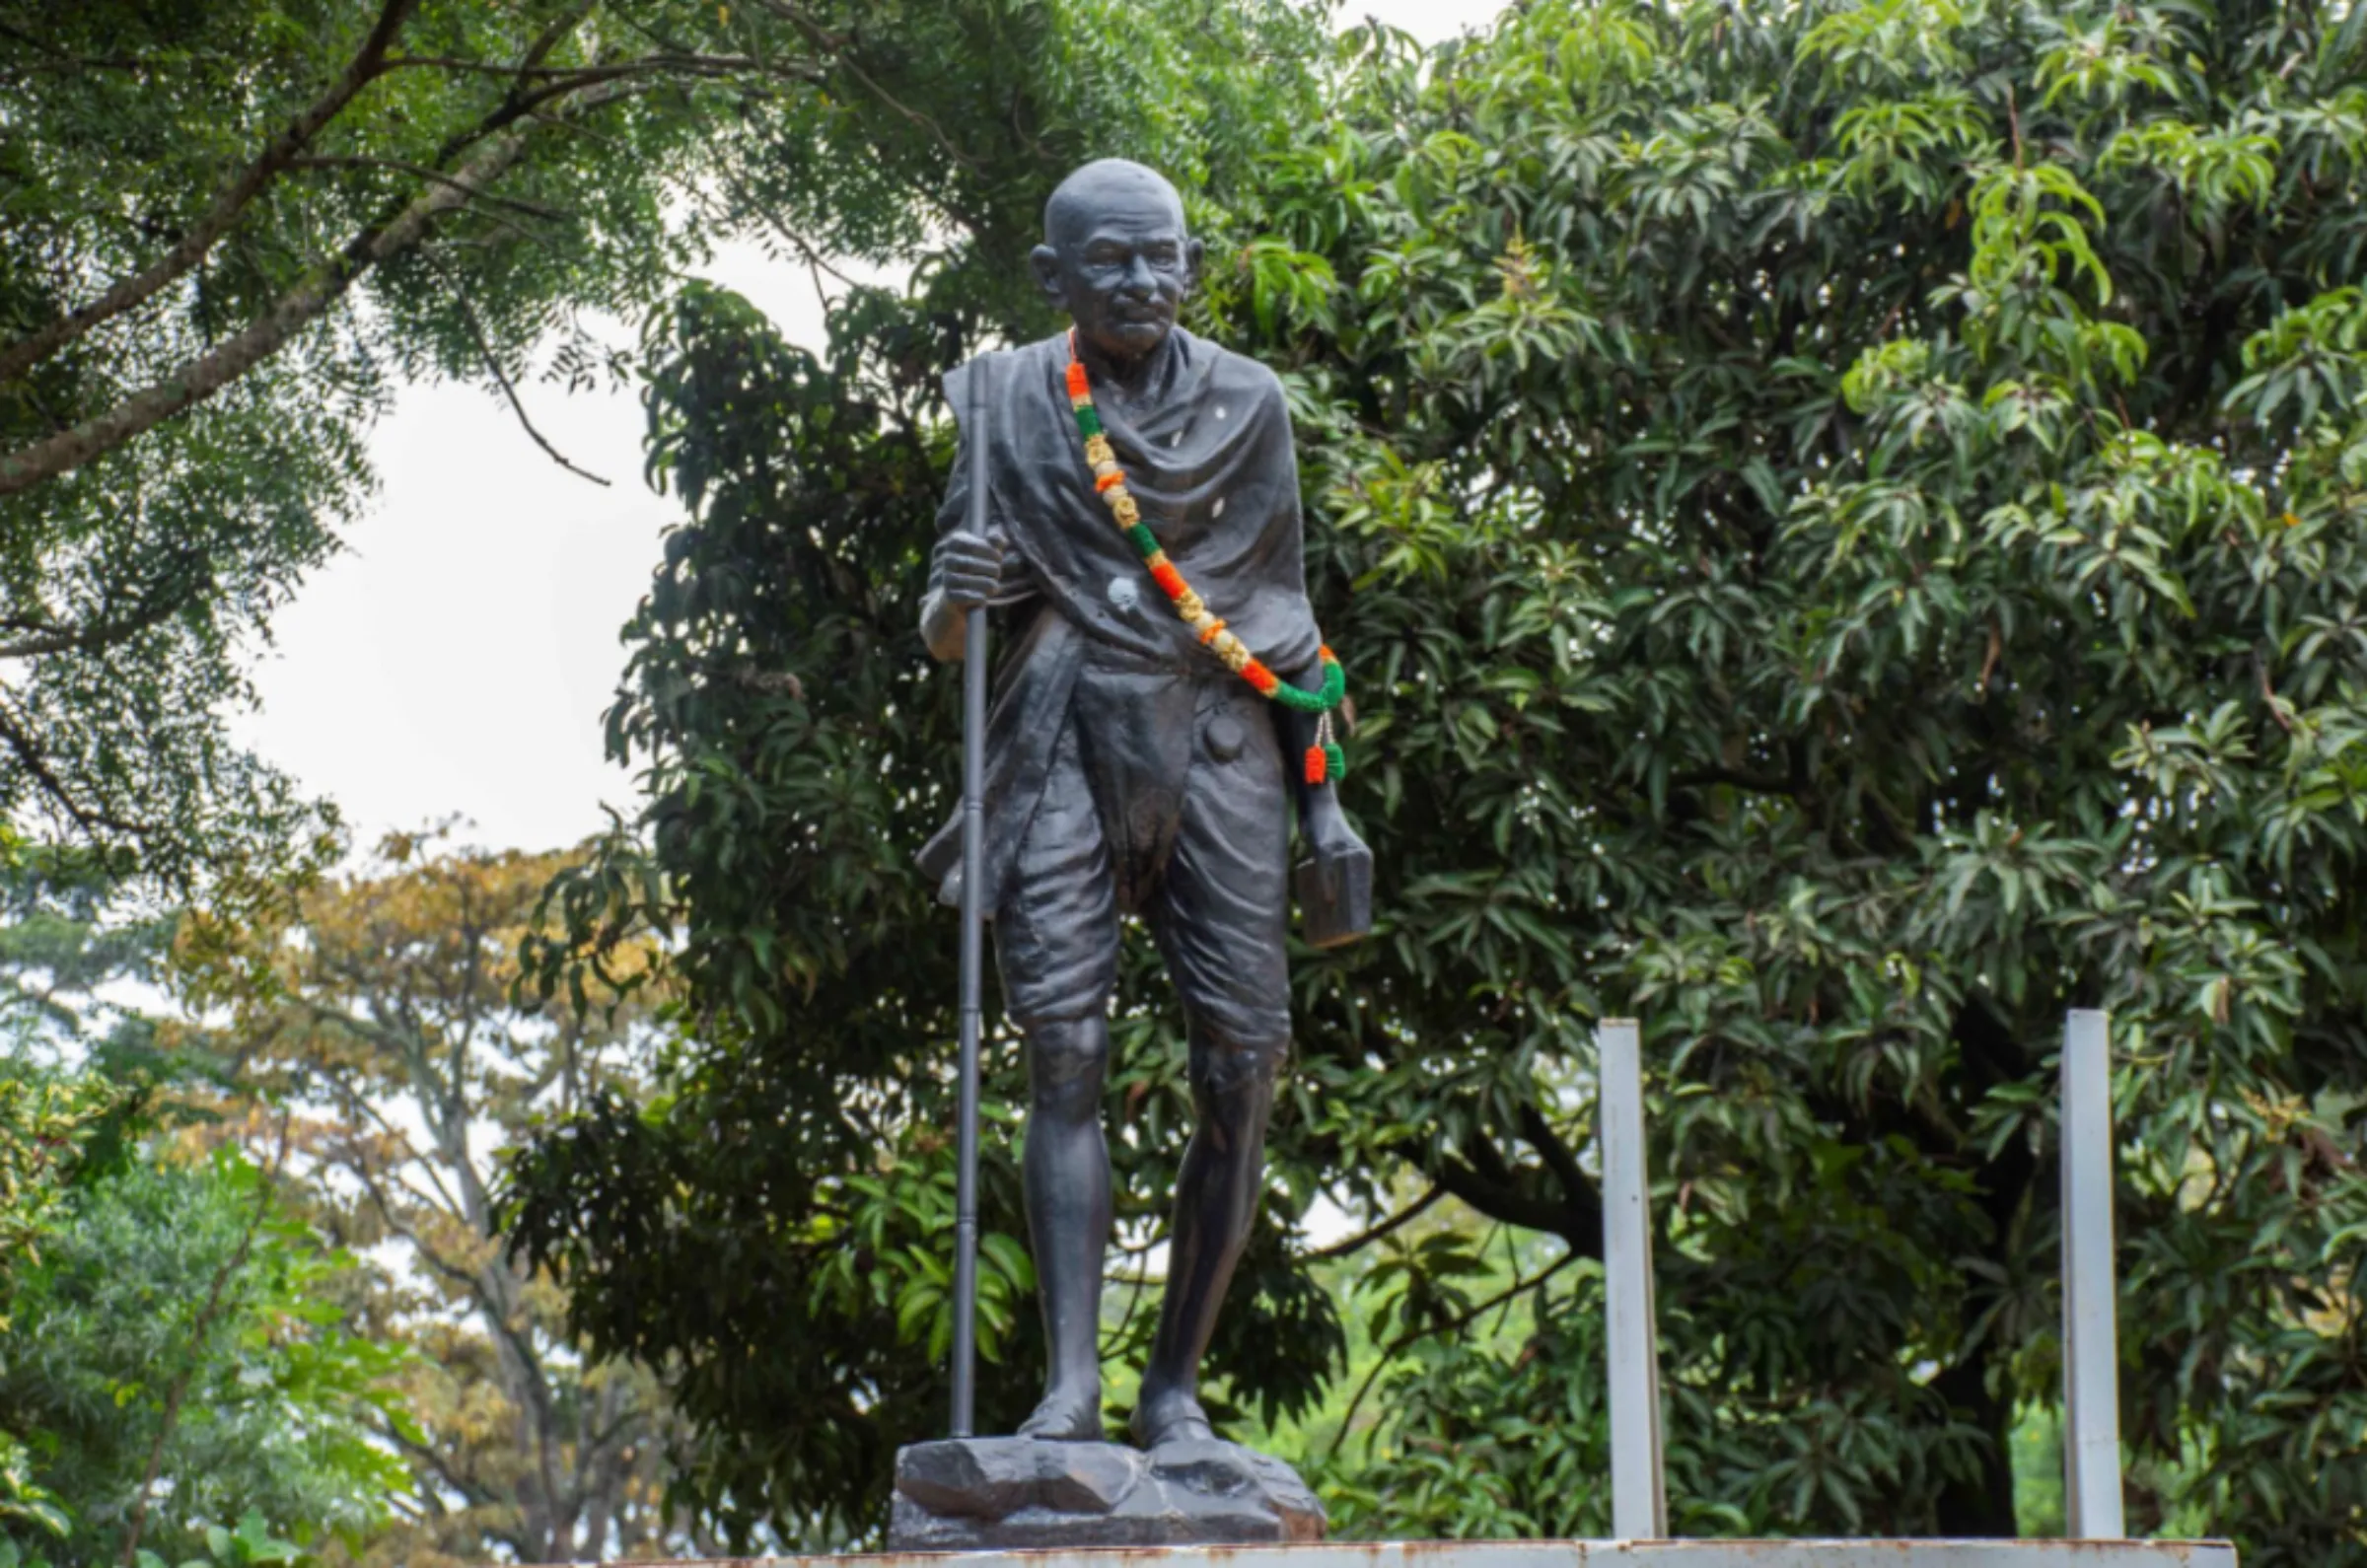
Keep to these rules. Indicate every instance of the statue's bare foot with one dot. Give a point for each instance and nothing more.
(1169, 1415)
(1066, 1416)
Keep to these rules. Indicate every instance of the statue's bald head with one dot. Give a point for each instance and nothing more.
(1117, 258)
(1102, 186)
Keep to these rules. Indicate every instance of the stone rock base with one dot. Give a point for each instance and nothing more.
(973, 1494)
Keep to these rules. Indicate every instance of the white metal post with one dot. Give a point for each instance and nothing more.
(1639, 1508)
(2091, 1333)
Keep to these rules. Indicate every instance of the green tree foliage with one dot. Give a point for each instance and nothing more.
(234, 230)
(1844, 525)
(180, 1356)
(1926, 610)
(45, 1119)
(389, 1029)
(48, 1120)
(177, 1372)
(61, 946)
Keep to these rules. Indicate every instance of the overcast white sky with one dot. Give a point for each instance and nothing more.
(458, 658)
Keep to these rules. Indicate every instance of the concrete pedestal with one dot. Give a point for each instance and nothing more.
(973, 1494)
(1572, 1554)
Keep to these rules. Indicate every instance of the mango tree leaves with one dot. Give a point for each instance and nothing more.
(1885, 629)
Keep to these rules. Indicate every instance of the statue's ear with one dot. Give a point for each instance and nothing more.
(1047, 262)
(1195, 254)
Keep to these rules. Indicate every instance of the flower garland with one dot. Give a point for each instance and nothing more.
(1323, 759)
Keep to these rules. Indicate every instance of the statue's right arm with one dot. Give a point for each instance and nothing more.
(964, 571)
(967, 570)
(942, 629)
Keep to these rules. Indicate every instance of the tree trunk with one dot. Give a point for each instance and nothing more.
(1983, 1505)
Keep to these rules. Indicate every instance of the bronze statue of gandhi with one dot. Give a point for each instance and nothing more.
(1128, 769)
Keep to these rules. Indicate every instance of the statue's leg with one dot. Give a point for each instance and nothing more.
(1216, 1203)
(1055, 942)
(1067, 1172)
(1220, 917)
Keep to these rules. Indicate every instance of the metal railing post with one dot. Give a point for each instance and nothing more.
(1639, 1508)
(2090, 1331)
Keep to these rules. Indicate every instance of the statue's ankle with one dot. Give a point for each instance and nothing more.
(1075, 1387)
(1168, 1410)
(1070, 1412)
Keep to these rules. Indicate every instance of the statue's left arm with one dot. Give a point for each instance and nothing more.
(1322, 821)
(1323, 826)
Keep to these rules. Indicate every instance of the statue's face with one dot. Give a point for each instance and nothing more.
(1119, 261)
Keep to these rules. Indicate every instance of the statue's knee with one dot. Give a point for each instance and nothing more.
(1226, 1062)
(1067, 1060)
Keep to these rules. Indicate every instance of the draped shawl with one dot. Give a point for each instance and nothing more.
(1207, 450)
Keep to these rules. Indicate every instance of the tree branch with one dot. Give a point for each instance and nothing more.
(523, 105)
(1500, 1203)
(484, 352)
(36, 761)
(1577, 1219)
(550, 38)
(1386, 1228)
(1557, 1157)
(1756, 783)
(60, 60)
(684, 62)
(158, 604)
(476, 1493)
(464, 1278)
(837, 48)
(436, 177)
(200, 379)
(28, 351)
(1455, 1325)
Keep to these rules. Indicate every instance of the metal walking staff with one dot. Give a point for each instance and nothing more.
(973, 857)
